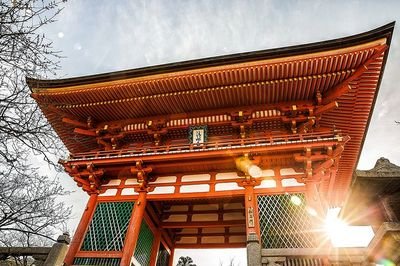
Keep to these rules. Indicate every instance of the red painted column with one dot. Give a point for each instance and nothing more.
(316, 212)
(132, 233)
(252, 225)
(81, 229)
(155, 248)
(171, 257)
(313, 199)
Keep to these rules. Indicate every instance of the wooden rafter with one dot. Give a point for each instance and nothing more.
(345, 86)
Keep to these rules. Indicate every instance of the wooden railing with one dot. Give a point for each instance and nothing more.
(314, 256)
(266, 140)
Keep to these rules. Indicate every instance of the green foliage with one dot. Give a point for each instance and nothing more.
(185, 261)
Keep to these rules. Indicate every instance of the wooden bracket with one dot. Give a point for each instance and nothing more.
(157, 129)
(241, 116)
(106, 136)
(318, 164)
(303, 119)
(293, 111)
(141, 173)
(156, 125)
(89, 178)
(242, 120)
(318, 97)
(249, 181)
(110, 141)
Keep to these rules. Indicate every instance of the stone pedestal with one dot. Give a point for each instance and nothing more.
(58, 251)
(253, 250)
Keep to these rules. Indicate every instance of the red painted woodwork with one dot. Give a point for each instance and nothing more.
(171, 258)
(98, 254)
(306, 108)
(81, 229)
(133, 230)
(251, 204)
(155, 247)
(222, 245)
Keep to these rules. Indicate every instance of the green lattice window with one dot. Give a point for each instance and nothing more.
(97, 261)
(144, 245)
(108, 227)
(162, 257)
(284, 224)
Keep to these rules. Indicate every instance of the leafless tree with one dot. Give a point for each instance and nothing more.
(29, 206)
(230, 263)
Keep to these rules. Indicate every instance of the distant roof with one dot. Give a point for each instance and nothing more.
(368, 188)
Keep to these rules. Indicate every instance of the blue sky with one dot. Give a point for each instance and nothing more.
(104, 36)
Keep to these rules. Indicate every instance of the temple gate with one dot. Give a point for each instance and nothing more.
(245, 150)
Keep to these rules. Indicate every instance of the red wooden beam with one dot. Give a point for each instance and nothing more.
(85, 132)
(74, 122)
(202, 224)
(211, 234)
(203, 245)
(205, 211)
(315, 157)
(209, 154)
(344, 87)
(326, 108)
(99, 254)
(81, 230)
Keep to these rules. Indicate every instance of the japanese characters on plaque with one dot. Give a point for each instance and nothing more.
(198, 135)
(250, 217)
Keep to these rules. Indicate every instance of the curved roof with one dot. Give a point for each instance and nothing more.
(385, 31)
(347, 70)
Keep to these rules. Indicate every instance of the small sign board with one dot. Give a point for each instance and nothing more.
(198, 135)
(250, 217)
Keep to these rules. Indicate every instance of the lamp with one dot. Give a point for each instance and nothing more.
(245, 165)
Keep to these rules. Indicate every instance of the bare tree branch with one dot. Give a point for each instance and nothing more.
(29, 207)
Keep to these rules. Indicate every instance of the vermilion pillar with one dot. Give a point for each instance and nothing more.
(171, 257)
(252, 225)
(81, 229)
(313, 199)
(249, 207)
(250, 204)
(155, 247)
(133, 231)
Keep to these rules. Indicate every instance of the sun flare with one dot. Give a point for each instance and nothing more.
(343, 235)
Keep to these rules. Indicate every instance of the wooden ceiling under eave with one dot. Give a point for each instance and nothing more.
(267, 77)
(253, 83)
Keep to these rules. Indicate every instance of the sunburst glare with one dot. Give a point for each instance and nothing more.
(342, 235)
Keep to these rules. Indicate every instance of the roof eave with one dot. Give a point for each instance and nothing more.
(385, 31)
(388, 33)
